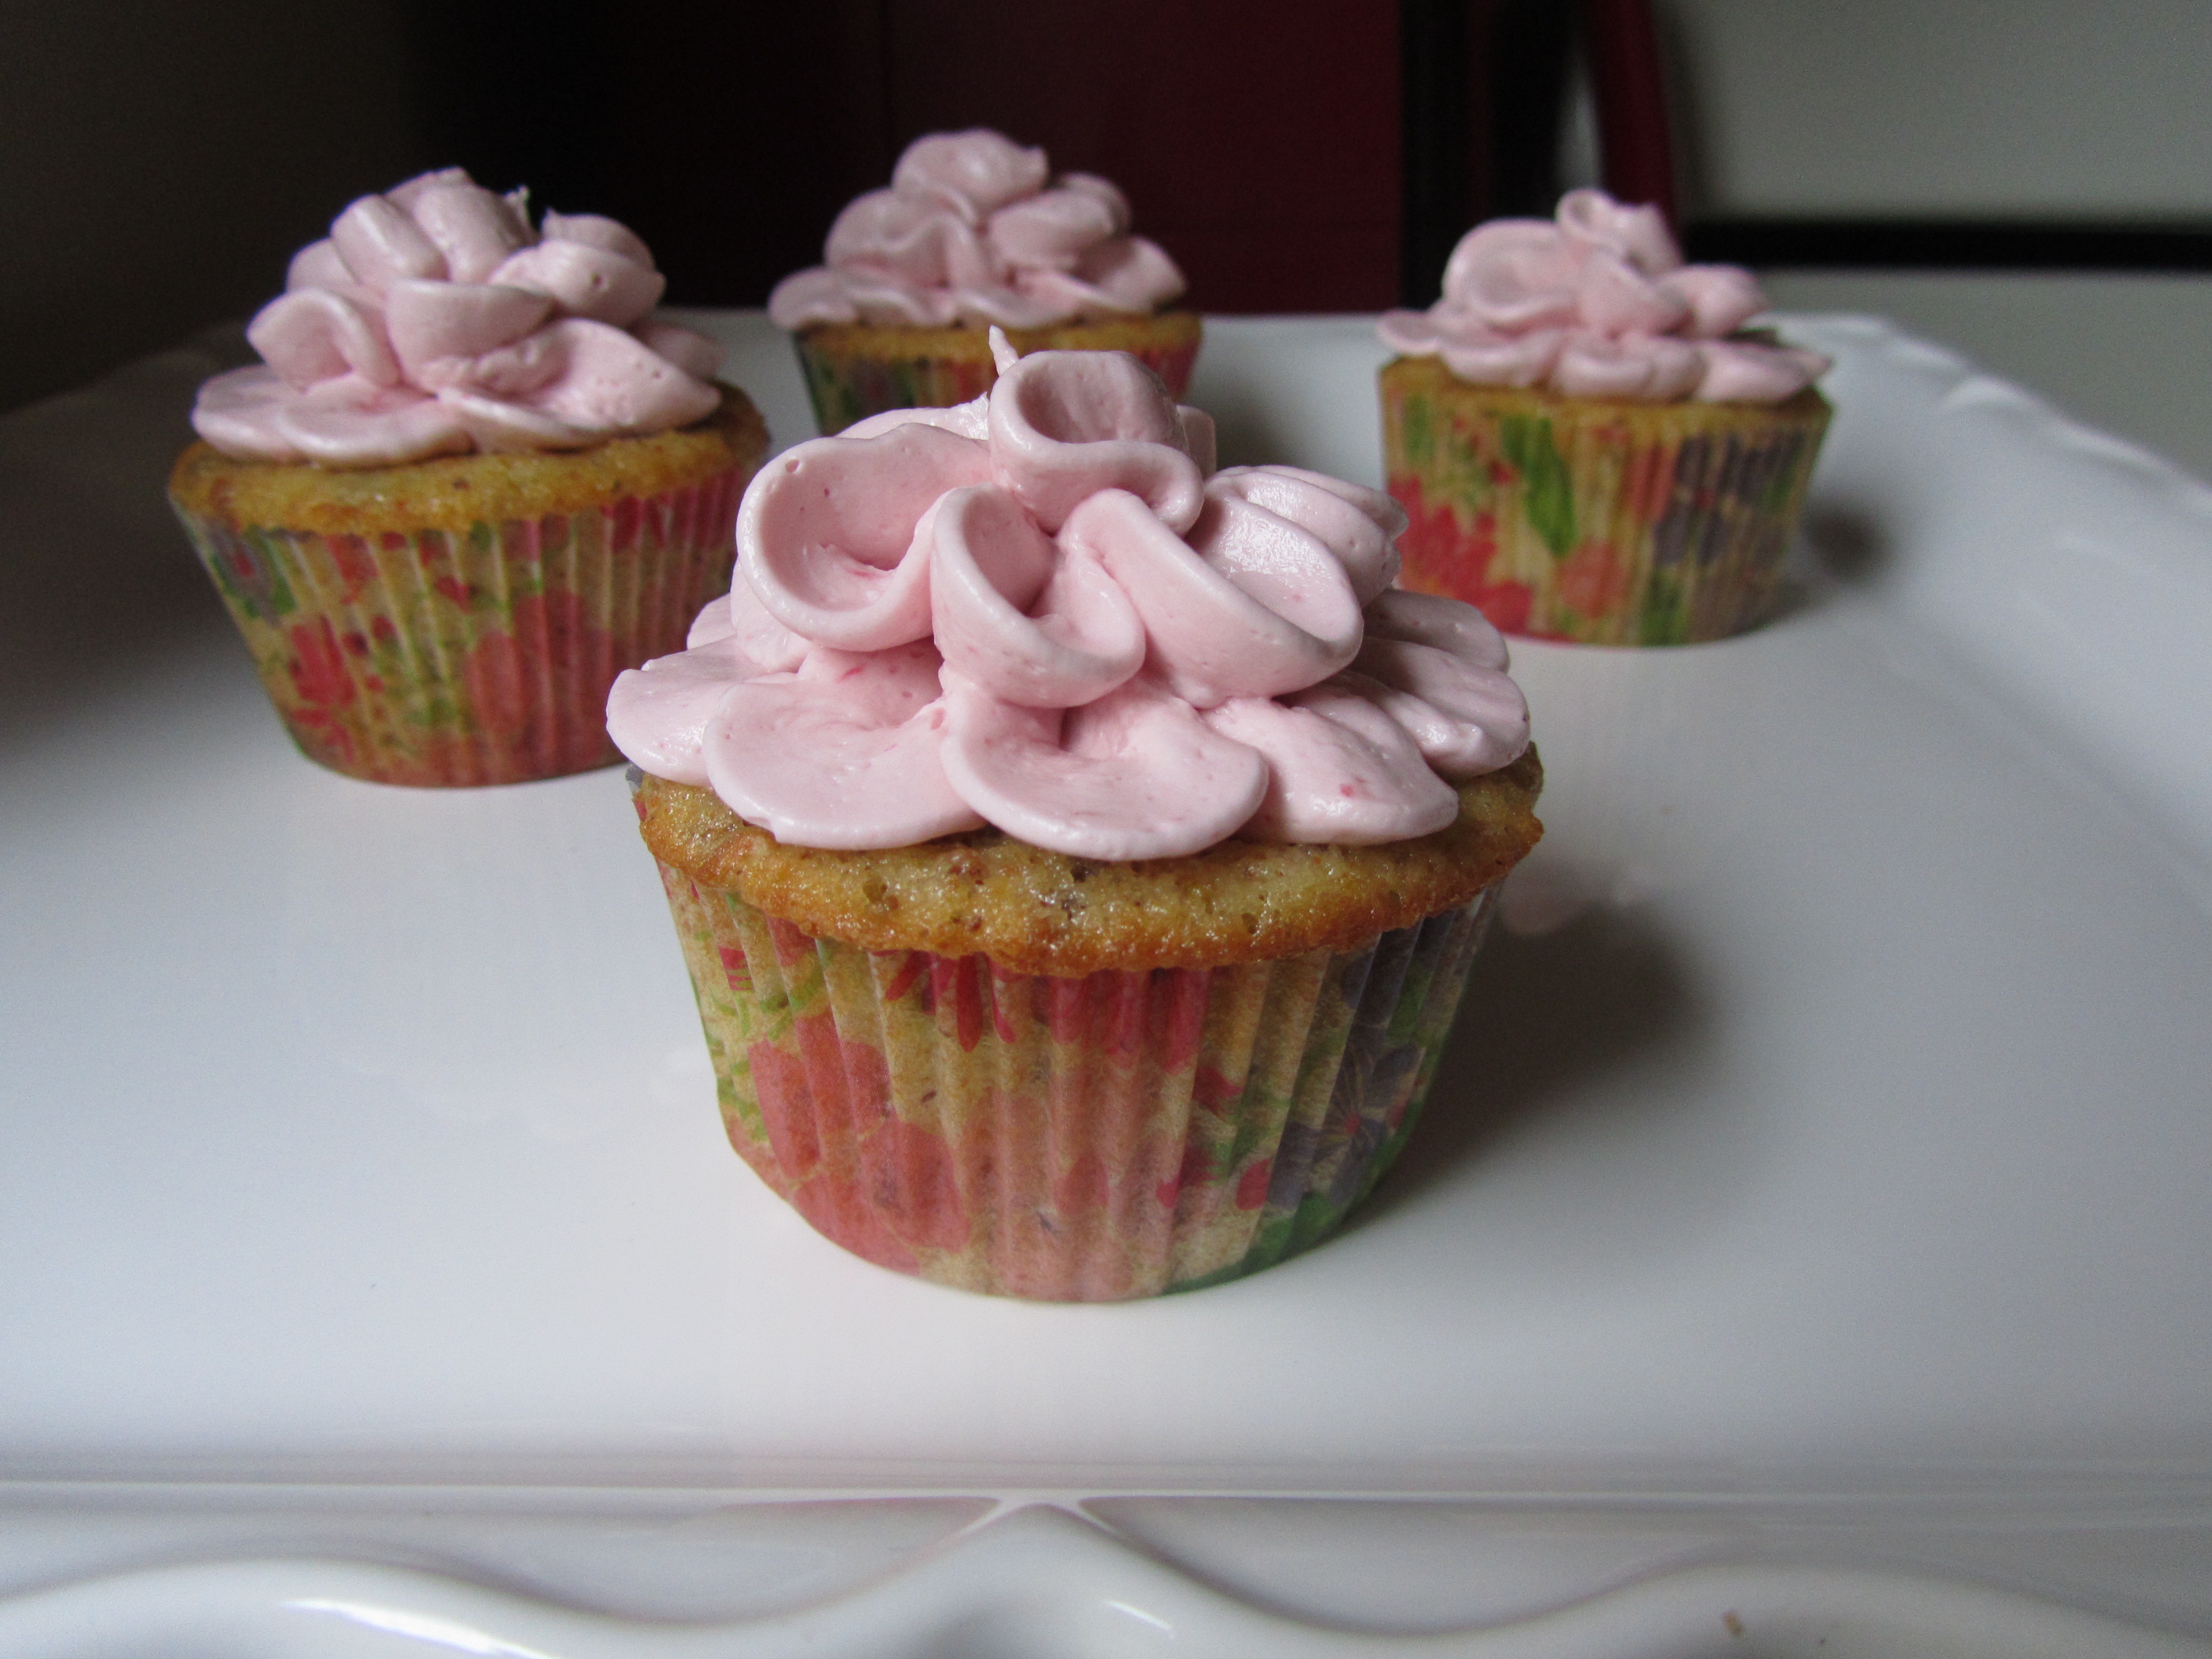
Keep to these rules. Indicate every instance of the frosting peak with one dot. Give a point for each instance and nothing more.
(973, 229)
(1046, 612)
(1598, 303)
(973, 173)
(434, 321)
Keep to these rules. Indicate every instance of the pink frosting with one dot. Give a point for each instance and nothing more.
(974, 229)
(434, 321)
(1599, 304)
(1046, 610)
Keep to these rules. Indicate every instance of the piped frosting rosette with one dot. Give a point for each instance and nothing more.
(1047, 611)
(974, 229)
(1598, 303)
(435, 320)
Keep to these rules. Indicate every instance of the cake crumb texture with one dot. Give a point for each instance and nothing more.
(454, 492)
(1038, 912)
(1161, 332)
(1431, 377)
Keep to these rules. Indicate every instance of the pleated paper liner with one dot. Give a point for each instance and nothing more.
(436, 657)
(856, 370)
(1087, 1139)
(1606, 523)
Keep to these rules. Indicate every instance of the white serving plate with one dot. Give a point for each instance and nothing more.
(1811, 1236)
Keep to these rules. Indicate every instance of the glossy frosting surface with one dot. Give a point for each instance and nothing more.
(1598, 303)
(435, 319)
(974, 228)
(1047, 610)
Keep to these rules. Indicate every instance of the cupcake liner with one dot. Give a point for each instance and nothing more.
(436, 657)
(1606, 523)
(1090, 1139)
(848, 384)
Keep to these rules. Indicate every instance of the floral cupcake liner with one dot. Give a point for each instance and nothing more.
(438, 657)
(1606, 523)
(852, 374)
(1087, 1139)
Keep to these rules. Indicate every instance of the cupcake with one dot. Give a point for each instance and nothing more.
(975, 233)
(471, 481)
(1078, 850)
(1588, 442)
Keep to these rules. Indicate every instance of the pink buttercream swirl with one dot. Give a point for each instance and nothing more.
(1045, 610)
(1599, 304)
(434, 321)
(973, 229)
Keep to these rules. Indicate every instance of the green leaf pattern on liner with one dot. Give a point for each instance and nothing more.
(1419, 435)
(245, 570)
(1073, 1139)
(1549, 489)
(1664, 619)
(432, 657)
(1601, 523)
(846, 388)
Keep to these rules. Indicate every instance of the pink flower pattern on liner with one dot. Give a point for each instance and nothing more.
(434, 321)
(973, 229)
(1599, 304)
(1046, 610)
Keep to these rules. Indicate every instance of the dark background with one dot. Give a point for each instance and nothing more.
(161, 162)
(1274, 186)
(1294, 155)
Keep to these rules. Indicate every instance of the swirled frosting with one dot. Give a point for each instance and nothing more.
(1046, 610)
(434, 320)
(974, 229)
(1598, 304)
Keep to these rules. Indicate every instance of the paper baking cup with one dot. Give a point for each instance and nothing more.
(848, 382)
(437, 657)
(1606, 523)
(1083, 1140)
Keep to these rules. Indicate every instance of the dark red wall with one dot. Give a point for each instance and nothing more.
(1258, 140)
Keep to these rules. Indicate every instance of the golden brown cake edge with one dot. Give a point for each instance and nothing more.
(456, 492)
(958, 340)
(1034, 911)
(1431, 375)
